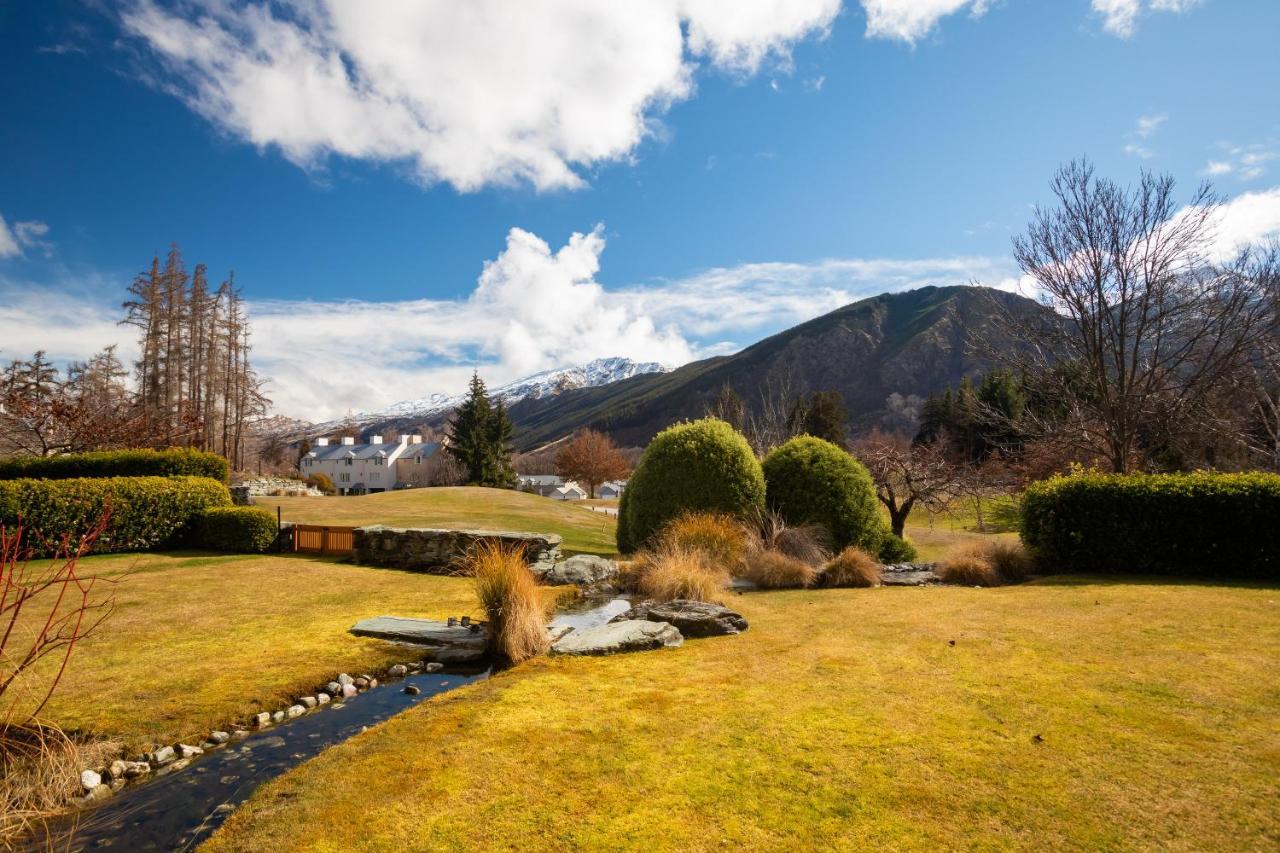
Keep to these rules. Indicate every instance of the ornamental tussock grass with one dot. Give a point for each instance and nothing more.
(668, 572)
(986, 564)
(807, 543)
(853, 566)
(39, 774)
(514, 608)
(720, 537)
(776, 570)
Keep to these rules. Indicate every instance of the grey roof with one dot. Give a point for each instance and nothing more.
(426, 450)
(368, 451)
(540, 479)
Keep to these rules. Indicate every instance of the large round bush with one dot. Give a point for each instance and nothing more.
(697, 466)
(811, 481)
(241, 529)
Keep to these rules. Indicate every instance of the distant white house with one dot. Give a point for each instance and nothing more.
(612, 489)
(550, 486)
(358, 469)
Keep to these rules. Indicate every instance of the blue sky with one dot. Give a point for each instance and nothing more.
(730, 169)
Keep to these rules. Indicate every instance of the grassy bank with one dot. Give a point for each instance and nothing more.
(1073, 713)
(198, 640)
(463, 507)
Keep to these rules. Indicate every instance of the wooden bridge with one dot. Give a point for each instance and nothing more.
(322, 539)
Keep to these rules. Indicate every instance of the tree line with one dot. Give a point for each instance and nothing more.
(192, 385)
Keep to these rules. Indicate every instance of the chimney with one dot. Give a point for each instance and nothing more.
(404, 439)
(348, 440)
(375, 439)
(417, 439)
(322, 442)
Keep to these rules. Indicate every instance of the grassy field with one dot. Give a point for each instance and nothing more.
(583, 531)
(199, 640)
(1068, 714)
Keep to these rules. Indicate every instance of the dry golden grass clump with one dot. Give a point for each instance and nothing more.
(668, 572)
(986, 564)
(721, 537)
(515, 609)
(853, 566)
(39, 774)
(776, 570)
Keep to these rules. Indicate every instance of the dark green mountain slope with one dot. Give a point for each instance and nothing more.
(913, 343)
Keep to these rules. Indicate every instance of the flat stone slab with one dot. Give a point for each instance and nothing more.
(579, 570)
(698, 618)
(632, 635)
(444, 643)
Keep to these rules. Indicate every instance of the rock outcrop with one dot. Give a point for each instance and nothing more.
(632, 635)
(441, 551)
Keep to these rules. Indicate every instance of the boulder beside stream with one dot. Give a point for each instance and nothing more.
(632, 635)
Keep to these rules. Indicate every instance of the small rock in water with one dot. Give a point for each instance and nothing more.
(117, 769)
(349, 690)
(398, 670)
(116, 785)
(224, 808)
(262, 720)
(412, 690)
(295, 711)
(277, 716)
(373, 682)
(344, 679)
(219, 737)
(180, 764)
(185, 751)
(95, 794)
(162, 756)
(134, 769)
(239, 734)
(90, 779)
(307, 701)
(434, 666)
(333, 687)
(322, 698)
(362, 682)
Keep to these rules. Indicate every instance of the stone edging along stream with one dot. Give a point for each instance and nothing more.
(99, 784)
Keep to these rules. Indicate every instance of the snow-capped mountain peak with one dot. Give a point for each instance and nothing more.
(600, 371)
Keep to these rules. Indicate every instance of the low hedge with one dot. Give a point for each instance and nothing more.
(1208, 524)
(247, 529)
(144, 512)
(173, 462)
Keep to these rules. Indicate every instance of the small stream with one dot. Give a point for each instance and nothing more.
(180, 810)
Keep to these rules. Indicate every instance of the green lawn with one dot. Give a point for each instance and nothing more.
(200, 640)
(583, 531)
(1069, 714)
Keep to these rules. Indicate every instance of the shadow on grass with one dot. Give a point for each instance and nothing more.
(1094, 579)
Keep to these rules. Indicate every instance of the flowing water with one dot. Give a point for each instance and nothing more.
(178, 811)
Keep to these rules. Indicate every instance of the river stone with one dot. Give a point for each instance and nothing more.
(698, 618)
(433, 666)
(322, 698)
(219, 737)
(90, 779)
(334, 688)
(162, 756)
(581, 570)
(185, 751)
(349, 690)
(307, 701)
(277, 716)
(261, 721)
(95, 794)
(343, 678)
(294, 711)
(633, 635)
(398, 670)
(909, 574)
(445, 643)
(116, 769)
(134, 769)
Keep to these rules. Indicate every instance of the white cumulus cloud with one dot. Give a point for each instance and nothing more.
(473, 94)
(1120, 17)
(911, 20)
(22, 236)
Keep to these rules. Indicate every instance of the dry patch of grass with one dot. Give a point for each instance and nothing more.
(989, 563)
(1070, 713)
(669, 572)
(459, 507)
(198, 640)
(776, 570)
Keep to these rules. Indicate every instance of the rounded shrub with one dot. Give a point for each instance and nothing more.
(1203, 523)
(702, 465)
(811, 481)
(323, 482)
(142, 512)
(895, 549)
(245, 529)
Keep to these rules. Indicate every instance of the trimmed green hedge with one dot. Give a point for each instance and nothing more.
(699, 465)
(145, 512)
(247, 529)
(811, 481)
(176, 461)
(895, 549)
(1202, 524)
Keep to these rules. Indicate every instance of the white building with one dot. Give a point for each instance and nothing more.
(358, 469)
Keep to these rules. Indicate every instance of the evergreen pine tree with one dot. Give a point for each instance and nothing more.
(501, 431)
(470, 433)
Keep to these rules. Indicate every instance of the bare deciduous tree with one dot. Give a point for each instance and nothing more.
(1144, 324)
(907, 475)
